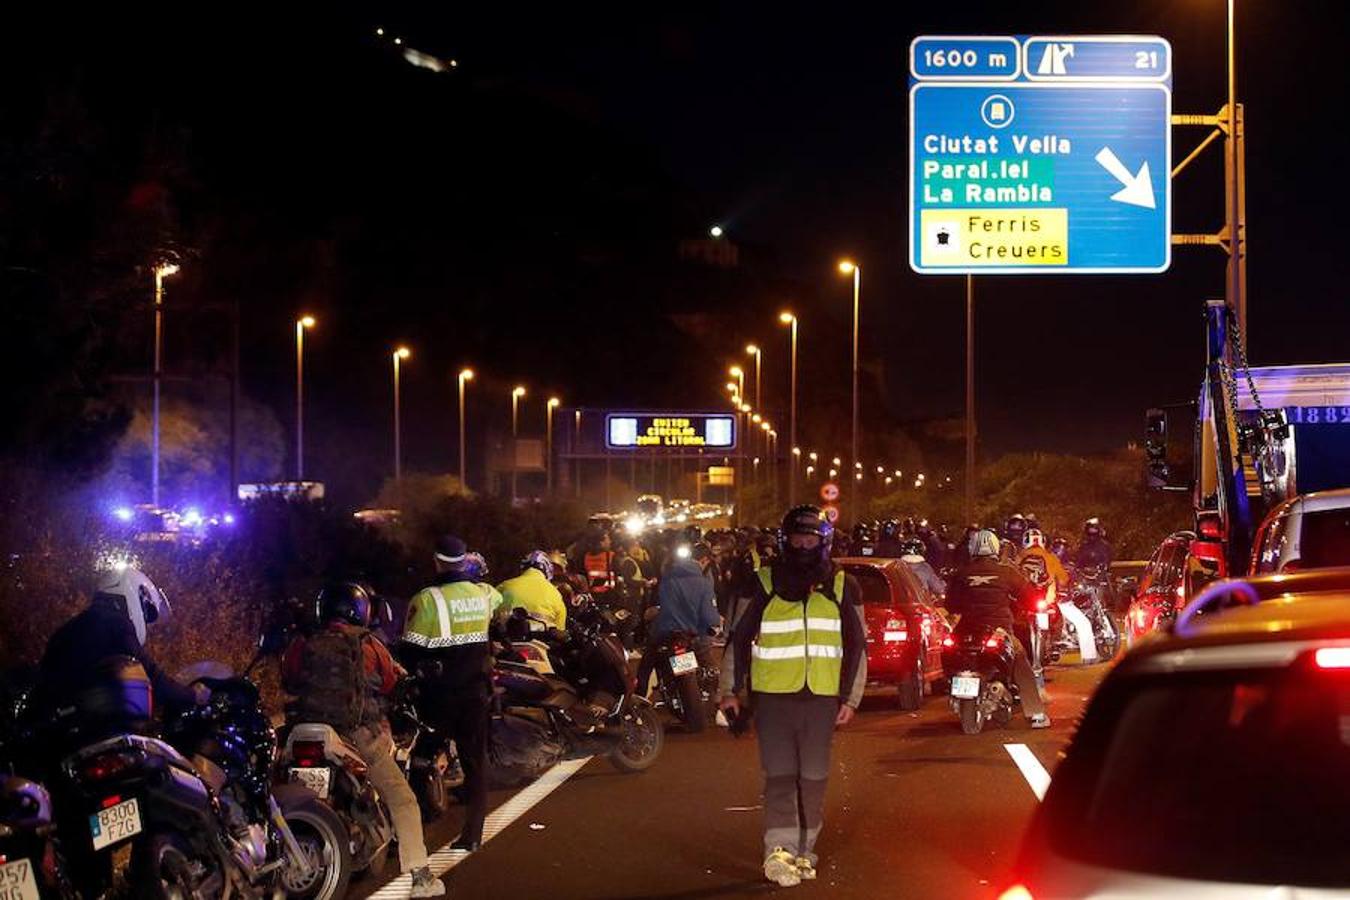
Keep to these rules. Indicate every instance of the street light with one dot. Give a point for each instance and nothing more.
(836, 461)
(756, 418)
(788, 318)
(739, 374)
(301, 324)
(399, 355)
(834, 473)
(813, 456)
(465, 376)
(553, 403)
(516, 393)
(848, 267)
(759, 364)
(162, 271)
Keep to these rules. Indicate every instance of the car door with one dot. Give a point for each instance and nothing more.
(923, 618)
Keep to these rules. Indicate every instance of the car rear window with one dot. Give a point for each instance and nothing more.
(1233, 777)
(876, 590)
(1324, 539)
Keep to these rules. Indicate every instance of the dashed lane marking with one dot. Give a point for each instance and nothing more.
(1031, 768)
(445, 859)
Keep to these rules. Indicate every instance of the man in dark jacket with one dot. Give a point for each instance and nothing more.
(1094, 552)
(984, 594)
(801, 646)
(688, 603)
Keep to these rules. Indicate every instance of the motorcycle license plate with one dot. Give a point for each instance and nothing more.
(1042, 620)
(965, 687)
(316, 779)
(116, 823)
(17, 881)
(681, 663)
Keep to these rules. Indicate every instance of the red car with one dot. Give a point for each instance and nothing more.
(904, 628)
(1176, 572)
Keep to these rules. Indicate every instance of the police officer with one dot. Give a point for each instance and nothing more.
(801, 644)
(447, 625)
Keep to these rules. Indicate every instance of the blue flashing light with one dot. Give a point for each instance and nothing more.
(124, 513)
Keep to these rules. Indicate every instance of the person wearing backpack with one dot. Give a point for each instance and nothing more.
(801, 645)
(341, 676)
(445, 641)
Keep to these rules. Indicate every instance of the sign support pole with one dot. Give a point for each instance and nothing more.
(970, 399)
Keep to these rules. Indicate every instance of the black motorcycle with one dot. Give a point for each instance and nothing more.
(687, 689)
(1089, 593)
(426, 755)
(979, 665)
(579, 701)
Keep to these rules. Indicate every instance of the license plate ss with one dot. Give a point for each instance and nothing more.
(1042, 620)
(316, 779)
(116, 823)
(17, 881)
(965, 687)
(681, 663)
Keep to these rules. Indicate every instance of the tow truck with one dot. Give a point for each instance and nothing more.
(1253, 438)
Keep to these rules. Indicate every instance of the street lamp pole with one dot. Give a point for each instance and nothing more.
(516, 393)
(465, 375)
(788, 318)
(300, 325)
(553, 403)
(161, 272)
(847, 267)
(399, 355)
(576, 449)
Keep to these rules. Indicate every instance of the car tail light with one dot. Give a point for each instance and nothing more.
(1042, 605)
(108, 765)
(1332, 658)
(1209, 527)
(949, 641)
(1293, 565)
(308, 754)
(991, 643)
(1016, 892)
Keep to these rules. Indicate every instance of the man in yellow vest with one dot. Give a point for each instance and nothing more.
(447, 625)
(801, 642)
(533, 591)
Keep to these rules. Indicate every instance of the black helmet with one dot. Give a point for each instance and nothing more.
(345, 601)
(908, 526)
(700, 551)
(1092, 528)
(1014, 527)
(890, 528)
(913, 547)
(1033, 522)
(806, 519)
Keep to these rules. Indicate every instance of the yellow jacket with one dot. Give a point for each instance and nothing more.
(532, 592)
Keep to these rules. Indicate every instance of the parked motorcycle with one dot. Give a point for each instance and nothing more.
(31, 863)
(318, 758)
(585, 705)
(427, 757)
(979, 666)
(687, 689)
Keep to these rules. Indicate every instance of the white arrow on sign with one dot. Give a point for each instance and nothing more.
(1137, 190)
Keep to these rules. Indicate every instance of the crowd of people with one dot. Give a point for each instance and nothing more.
(790, 617)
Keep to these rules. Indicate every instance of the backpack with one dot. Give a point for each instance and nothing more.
(1035, 569)
(332, 685)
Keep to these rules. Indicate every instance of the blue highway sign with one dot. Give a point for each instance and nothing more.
(1040, 155)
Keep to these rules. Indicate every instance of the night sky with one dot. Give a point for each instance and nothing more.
(521, 213)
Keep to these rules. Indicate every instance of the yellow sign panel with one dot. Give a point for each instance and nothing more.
(722, 475)
(995, 237)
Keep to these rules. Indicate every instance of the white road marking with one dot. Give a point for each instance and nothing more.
(1031, 768)
(445, 859)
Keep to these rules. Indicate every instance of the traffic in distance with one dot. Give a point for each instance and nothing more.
(582, 588)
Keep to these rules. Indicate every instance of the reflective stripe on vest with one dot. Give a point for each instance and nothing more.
(799, 645)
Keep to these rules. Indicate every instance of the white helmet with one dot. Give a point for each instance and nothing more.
(143, 603)
(1033, 538)
(983, 543)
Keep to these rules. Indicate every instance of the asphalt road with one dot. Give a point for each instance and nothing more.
(915, 809)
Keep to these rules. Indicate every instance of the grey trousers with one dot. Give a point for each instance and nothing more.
(795, 733)
(377, 749)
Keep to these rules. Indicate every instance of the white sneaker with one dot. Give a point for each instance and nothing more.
(424, 884)
(806, 870)
(780, 867)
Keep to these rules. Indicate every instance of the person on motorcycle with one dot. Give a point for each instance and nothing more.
(912, 554)
(985, 593)
(1011, 542)
(889, 545)
(689, 604)
(1033, 548)
(961, 552)
(1094, 552)
(1059, 546)
(598, 565)
(445, 636)
(342, 676)
(801, 646)
(124, 604)
(630, 588)
(533, 591)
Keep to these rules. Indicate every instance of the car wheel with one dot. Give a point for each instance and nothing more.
(911, 688)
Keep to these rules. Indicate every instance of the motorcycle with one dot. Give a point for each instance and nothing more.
(1087, 594)
(31, 862)
(427, 757)
(584, 704)
(687, 688)
(979, 666)
(318, 758)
